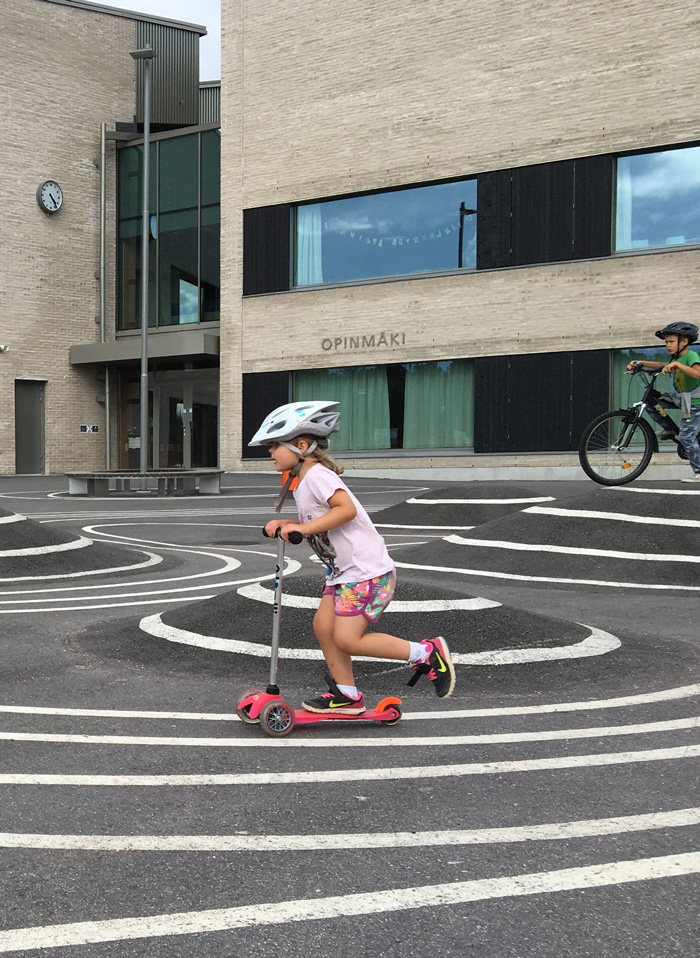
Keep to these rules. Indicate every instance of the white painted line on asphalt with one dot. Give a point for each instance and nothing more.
(376, 902)
(152, 560)
(229, 565)
(260, 594)
(625, 701)
(488, 574)
(123, 595)
(659, 521)
(108, 605)
(479, 502)
(80, 543)
(347, 775)
(597, 643)
(556, 831)
(16, 517)
(568, 550)
(394, 525)
(498, 738)
(657, 492)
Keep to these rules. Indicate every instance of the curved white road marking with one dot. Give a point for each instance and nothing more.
(625, 701)
(23, 610)
(556, 831)
(659, 521)
(229, 565)
(152, 560)
(498, 738)
(479, 502)
(260, 594)
(519, 577)
(346, 775)
(375, 902)
(597, 643)
(568, 550)
(80, 543)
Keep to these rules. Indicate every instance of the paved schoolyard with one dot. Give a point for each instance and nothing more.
(549, 806)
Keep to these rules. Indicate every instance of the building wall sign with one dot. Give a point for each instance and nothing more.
(354, 343)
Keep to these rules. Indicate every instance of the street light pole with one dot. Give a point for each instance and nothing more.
(463, 211)
(147, 54)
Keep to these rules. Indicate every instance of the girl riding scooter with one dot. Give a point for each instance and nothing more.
(360, 574)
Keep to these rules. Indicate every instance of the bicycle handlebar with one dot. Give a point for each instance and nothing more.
(294, 537)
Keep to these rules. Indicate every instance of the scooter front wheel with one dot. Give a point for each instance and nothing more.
(277, 719)
(243, 712)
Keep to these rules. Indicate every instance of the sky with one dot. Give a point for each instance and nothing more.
(207, 13)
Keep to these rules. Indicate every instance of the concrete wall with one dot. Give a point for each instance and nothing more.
(66, 70)
(337, 98)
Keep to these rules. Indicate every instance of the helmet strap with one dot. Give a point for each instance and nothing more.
(293, 472)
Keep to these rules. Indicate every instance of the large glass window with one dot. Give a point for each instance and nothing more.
(415, 230)
(658, 199)
(184, 235)
(403, 406)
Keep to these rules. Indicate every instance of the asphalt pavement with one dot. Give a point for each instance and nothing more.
(549, 807)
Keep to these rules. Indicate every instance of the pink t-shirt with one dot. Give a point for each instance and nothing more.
(353, 552)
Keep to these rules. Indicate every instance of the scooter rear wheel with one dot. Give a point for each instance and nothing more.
(390, 704)
(277, 719)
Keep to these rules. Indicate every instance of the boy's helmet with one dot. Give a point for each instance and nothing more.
(317, 418)
(687, 330)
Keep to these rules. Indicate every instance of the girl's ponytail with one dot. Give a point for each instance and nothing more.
(320, 453)
(328, 461)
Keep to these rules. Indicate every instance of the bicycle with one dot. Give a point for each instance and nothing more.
(617, 446)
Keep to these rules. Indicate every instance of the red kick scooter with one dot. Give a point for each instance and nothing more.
(268, 708)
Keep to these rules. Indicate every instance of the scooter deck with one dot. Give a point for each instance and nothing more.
(304, 717)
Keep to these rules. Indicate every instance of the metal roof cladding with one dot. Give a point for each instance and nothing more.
(130, 15)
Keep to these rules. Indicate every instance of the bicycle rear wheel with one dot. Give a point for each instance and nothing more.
(614, 451)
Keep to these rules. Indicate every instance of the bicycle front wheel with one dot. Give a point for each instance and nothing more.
(614, 451)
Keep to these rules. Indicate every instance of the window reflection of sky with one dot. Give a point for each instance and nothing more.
(386, 234)
(658, 199)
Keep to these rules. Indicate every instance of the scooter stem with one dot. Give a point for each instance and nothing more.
(272, 688)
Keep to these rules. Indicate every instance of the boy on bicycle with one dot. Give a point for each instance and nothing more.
(679, 338)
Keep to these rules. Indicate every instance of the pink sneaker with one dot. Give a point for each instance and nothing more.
(439, 668)
(334, 702)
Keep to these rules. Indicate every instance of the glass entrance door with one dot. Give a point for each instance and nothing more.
(185, 418)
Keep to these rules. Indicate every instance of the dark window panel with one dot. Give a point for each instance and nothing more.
(593, 199)
(267, 249)
(493, 219)
(262, 392)
(539, 402)
(543, 208)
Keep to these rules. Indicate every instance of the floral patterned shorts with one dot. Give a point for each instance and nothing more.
(368, 598)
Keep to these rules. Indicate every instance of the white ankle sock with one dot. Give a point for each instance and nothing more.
(349, 690)
(418, 653)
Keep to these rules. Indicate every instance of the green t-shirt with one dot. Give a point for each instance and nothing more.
(684, 383)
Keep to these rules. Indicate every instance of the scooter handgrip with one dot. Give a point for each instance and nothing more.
(294, 537)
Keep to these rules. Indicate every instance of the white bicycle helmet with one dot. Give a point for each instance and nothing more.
(317, 418)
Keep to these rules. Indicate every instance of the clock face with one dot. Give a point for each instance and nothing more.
(49, 196)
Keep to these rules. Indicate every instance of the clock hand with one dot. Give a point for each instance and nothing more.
(53, 199)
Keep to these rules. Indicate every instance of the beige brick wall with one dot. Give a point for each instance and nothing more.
(69, 69)
(325, 98)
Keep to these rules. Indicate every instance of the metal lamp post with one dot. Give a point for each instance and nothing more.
(147, 54)
(463, 211)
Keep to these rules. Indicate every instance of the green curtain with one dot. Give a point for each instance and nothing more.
(439, 405)
(363, 394)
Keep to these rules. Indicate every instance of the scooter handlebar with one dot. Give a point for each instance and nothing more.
(294, 537)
